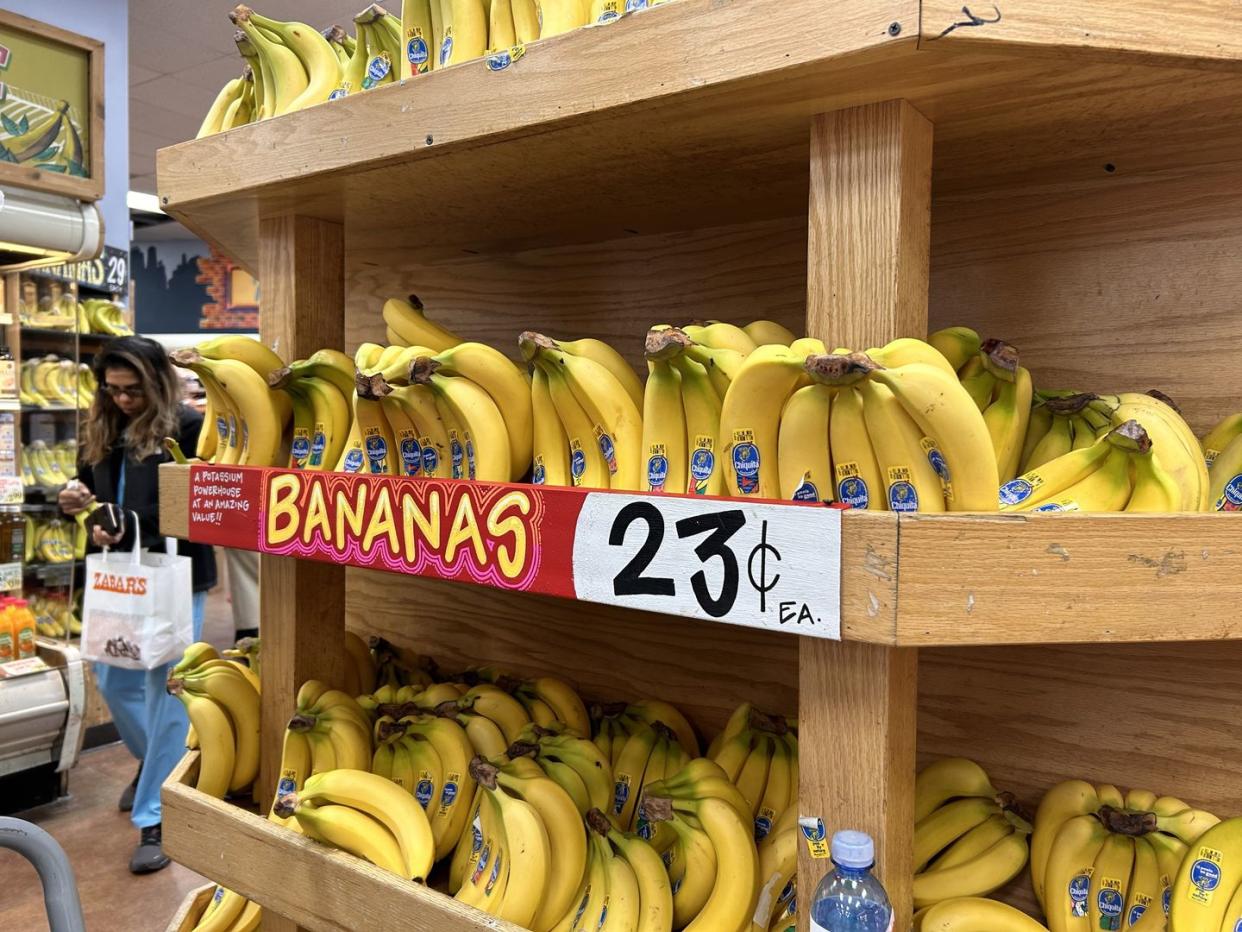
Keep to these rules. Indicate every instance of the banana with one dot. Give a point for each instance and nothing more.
(379, 447)
(628, 775)
(935, 832)
(778, 863)
(559, 16)
(243, 348)
(701, 408)
(946, 779)
(354, 831)
(985, 873)
(303, 429)
(457, 793)
(498, 706)
(465, 31)
(318, 60)
(976, 914)
(906, 350)
(222, 911)
(664, 429)
(1144, 891)
(769, 331)
(1007, 418)
(550, 450)
(408, 319)
(1219, 437)
(734, 894)
(328, 364)
(501, 33)
(525, 21)
(332, 417)
(856, 472)
(217, 747)
(779, 787)
(1225, 492)
(1056, 441)
(263, 412)
(750, 417)
(803, 458)
(655, 895)
(1106, 489)
(957, 344)
(1186, 825)
(978, 840)
(721, 335)
(418, 37)
(227, 97)
(529, 853)
(693, 863)
(1110, 880)
(753, 776)
(592, 767)
(503, 382)
(1063, 802)
(567, 842)
(911, 482)
(564, 701)
(1068, 875)
(489, 457)
(978, 382)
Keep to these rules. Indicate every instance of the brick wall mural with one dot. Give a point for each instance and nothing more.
(183, 286)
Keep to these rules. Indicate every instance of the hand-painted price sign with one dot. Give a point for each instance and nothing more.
(763, 565)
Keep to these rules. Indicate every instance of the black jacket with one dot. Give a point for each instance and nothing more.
(142, 494)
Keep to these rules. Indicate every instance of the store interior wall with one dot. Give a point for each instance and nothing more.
(107, 21)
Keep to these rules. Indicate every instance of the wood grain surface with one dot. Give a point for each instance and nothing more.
(320, 888)
(867, 257)
(188, 914)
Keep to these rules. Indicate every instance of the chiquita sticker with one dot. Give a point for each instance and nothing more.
(746, 462)
(702, 465)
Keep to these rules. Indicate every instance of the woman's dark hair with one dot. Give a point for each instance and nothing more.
(143, 435)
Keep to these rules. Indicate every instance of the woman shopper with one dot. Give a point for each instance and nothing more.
(139, 404)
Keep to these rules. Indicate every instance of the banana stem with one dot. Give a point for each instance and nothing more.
(656, 808)
(173, 447)
(1123, 822)
(598, 822)
(1000, 359)
(665, 344)
(839, 369)
(484, 772)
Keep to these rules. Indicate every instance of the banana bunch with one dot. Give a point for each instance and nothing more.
(713, 862)
(523, 857)
(49, 467)
(56, 312)
(645, 742)
(549, 702)
(99, 315)
(365, 814)
(49, 381)
(1119, 471)
(429, 756)
(968, 838)
(52, 541)
(221, 699)
(1222, 451)
(328, 731)
(250, 416)
(776, 908)
(759, 753)
(378, 52)
(575, 763)
(1112, 859)
(587, 414)
(1207, 891)
(974, 914)
(625, 883)
(399, 666)
(1000, 387)
(466, 407)
(247, 650)
(228, 911)
(320, 389)
(54, 616)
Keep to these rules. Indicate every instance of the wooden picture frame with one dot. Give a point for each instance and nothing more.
(61, 173)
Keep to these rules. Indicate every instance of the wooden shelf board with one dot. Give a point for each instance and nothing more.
(678, 118)
(319, 888)
(948, 580)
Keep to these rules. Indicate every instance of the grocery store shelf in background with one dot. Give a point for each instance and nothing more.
(315, 886)
(1011, 579)
(677, 117)
(42, 339)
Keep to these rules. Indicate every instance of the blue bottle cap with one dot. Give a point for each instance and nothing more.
(853, 849)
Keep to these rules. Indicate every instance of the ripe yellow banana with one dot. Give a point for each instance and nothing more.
(858, 481)
(1007, 418)
(935, 832)
(1144, 891)
(550, 449)
(1063, 802)
(1050, 480)
(226, 684)
(957, 344)
(610, 359)
(1174, 444)
(1110, 882)
(558, 16)
(979, 876)
(949, 778)
(911, 482)
(976, 914)
(803, 445)
(1067, 877)
(655, 895)
(1225, 492)
(664, 429)
(769, 331)
(227, 97)
(1220, 436)
(289, 79)
(721, 335)
(701, 407)
(465, 31)
(750, 420)
(217, 746)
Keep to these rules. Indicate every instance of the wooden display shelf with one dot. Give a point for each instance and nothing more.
(1008, 579)
(694, 109)
(318, 887)
(186, 916)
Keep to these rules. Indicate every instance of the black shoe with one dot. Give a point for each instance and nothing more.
(127, 797)
(149, 856)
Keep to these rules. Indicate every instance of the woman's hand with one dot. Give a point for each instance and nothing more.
(102, 538)
(74, 498)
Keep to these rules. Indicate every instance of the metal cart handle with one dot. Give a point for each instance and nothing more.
(60, 891)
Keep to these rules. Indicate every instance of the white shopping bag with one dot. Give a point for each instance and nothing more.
(137, 610)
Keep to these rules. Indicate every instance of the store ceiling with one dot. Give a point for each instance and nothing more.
(181, 53)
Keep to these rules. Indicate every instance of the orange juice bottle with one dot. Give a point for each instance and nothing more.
(24, 629)
(8, 631)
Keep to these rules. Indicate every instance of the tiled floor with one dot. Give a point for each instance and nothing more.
(99, 840)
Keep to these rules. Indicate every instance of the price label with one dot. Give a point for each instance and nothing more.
(11, 490)
(771, 566)
(29, 665)
(10, 577)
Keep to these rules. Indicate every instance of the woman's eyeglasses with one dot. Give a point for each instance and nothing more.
(129, 391)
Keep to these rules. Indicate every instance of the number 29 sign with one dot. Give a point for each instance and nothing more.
(762, 565)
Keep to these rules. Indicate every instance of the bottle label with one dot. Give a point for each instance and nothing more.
(816, 927)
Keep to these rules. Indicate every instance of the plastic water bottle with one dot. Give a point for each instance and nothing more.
(849, 898)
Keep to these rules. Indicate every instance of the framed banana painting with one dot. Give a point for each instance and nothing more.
(51, 108)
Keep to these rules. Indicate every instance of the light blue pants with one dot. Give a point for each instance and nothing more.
(151, 723)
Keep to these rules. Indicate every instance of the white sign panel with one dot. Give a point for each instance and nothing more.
(768, 566)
